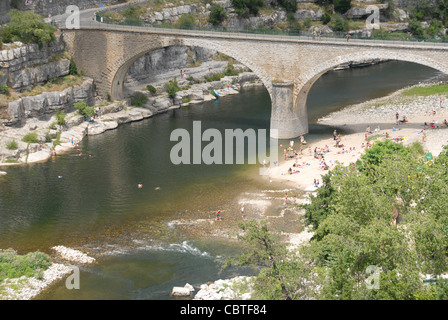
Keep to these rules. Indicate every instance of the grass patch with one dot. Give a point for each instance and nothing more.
(12, 145)
(374, 137)
(427, 91)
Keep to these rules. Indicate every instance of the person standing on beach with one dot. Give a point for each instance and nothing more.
(242, 213)
(218, 215)
(396, 116)
(335, 135)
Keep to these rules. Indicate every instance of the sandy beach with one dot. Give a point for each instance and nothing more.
(380, 119)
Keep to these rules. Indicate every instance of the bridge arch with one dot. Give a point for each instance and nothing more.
(115, 75)
(298, 117)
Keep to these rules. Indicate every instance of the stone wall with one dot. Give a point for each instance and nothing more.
(24, 66)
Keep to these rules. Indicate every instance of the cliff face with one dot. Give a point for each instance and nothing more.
(24, 66)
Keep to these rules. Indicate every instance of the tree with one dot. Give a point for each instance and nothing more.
(342, 6)
(27, 27)
(245, 8)
(84, 109)
(283, 275)
(217, 15)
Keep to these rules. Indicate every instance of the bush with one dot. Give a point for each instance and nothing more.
(4, 89)
(31, 138)
(338, 23)
(60, 117)
(244, 8)
(171, 87)
(151, 89)
(415, 27)
(138, 99)
(27, 27)
(12, 145)
(29, 265)
(342, 6)
(73, 70)
(288, 5)
(326, 18)
(186, 21)
(217, 15)
(84, 109)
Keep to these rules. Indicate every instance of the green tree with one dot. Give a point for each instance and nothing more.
(342, 6)
(283, 274)
(217, 15)
(84, 109)
(27, 27)
(245, 8)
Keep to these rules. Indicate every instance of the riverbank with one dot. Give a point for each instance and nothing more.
(379, 117)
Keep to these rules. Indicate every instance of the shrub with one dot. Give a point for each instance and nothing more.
(84, 109)
(29, 265)
(12, 145)
(60, 117)
(288, 5)
(138, 99)
(151, 89)
(73, 70)
(415, 27)
(4, 89)
(48, 137)
(171, 87)
(217, 15)
(27, 27)
(31, 138)
(342, 6)
(338, 23)
(244, 8)
(326, 18)
(186, 21)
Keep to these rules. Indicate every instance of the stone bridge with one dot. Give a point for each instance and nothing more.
(288, 66)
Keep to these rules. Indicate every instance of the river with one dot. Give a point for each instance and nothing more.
(92, 201)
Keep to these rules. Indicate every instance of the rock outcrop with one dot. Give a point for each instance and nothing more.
(23, 66)
(44, 105)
